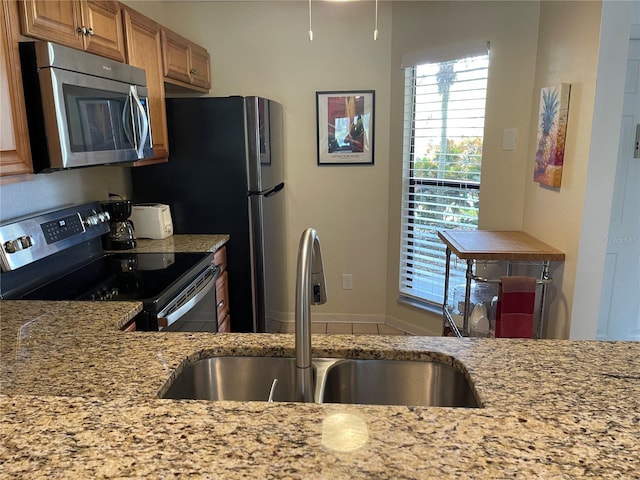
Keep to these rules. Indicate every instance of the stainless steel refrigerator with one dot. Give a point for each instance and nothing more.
(225, 175)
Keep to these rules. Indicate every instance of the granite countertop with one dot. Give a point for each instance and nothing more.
(180, 243)
(78, 399)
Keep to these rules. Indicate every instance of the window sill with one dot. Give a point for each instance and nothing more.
(420, 305)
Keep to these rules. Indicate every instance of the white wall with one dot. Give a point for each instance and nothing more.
(262, 48)
(605, 141)
(511, 28)
(567, 53)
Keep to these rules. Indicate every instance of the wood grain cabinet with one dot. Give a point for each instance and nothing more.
(185, 63)
(144, 50)
(222, 292)
(91, 25)
(15, 152)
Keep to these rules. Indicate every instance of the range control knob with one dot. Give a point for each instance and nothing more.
(97, 218)
(26, 241)
(20, 243)
(12, 246)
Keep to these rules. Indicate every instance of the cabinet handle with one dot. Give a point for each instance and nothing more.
(90, 32)
(221, 304)
(82, 30)
(193, 71)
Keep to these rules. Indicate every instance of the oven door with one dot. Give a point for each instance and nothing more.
(93, 121)
(194, 308)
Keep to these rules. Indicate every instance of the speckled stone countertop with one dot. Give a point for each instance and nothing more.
(180, 243)
(78, 399)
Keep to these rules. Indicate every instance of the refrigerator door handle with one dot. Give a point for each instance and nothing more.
(267, 193)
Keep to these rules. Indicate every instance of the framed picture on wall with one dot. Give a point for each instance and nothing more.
(552, 131)
(345, 126)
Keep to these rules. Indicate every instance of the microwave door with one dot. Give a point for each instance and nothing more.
(86, 125)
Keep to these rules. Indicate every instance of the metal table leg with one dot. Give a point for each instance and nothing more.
(543, 291)
(447, 271)
(467, 299)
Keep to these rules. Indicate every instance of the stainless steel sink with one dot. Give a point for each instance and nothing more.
(236, 378)
(394, 382)
(337, 380)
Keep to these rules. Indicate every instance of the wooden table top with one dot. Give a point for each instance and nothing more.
(504, 245)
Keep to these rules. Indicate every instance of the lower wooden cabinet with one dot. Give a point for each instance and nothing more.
(130, 326)
(222, 292)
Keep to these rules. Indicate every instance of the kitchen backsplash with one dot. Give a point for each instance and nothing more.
(52, 190)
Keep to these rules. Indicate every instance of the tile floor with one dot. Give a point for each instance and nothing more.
(344, 328)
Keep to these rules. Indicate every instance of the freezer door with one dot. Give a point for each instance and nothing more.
(265, 159)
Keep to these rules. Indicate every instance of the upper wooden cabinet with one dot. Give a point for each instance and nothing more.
(144, 50)
(185, 63)
(15, 152)
(91, 25)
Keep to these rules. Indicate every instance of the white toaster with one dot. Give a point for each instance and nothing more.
(151, 220)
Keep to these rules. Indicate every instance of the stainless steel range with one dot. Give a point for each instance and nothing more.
(58, 255)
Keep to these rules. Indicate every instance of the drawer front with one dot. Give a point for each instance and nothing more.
(225, 325)
(222, 296)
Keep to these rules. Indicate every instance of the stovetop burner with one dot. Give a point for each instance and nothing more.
(119, 276)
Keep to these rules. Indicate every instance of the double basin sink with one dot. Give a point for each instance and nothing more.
(337, 380)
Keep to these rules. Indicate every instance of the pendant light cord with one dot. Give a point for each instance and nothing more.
(375, 31)
(310, 30)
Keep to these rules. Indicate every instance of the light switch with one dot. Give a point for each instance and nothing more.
(509, 139)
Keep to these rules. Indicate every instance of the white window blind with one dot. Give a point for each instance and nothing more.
(443, 135)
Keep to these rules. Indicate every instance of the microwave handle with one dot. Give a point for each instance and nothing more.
(127, 111)
(144, 120)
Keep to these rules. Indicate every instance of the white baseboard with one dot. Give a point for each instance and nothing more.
(332, 317)
(286, 317)
(412, 328)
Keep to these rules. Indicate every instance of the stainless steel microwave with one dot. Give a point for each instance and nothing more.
(83, 109)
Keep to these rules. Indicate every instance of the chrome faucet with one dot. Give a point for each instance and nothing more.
(310, 289)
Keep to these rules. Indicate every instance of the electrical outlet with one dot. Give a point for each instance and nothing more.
(347, 281)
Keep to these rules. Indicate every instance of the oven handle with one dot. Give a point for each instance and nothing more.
(173, 316)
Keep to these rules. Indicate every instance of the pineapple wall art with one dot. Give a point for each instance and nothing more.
(552, 130)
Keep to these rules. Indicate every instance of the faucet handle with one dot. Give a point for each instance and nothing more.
(318, 289)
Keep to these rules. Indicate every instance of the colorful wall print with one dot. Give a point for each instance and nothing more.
(552, 130)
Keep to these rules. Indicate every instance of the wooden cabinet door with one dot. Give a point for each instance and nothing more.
(15, 152)
(56, 21)
(106, 34)
(200, 67)
(143, 47)
(91, 25)
(185, 63)
(175, 56)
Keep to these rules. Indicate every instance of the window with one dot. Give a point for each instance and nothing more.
(443, 134)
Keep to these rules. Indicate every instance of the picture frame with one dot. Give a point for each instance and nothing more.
(345, 127)
(551, 135)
